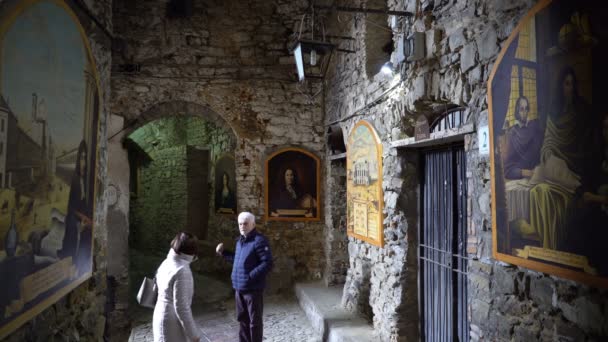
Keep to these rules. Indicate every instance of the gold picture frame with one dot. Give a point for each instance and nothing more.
(55, 223)
(225, 185)
(364, 195)
(292, 186)
(548, 199)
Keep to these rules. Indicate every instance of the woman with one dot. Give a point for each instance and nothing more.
(172, 319)
(571, 141)
(78, 215)
(226, 200)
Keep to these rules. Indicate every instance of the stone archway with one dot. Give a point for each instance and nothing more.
(121, 296)
(176, 108)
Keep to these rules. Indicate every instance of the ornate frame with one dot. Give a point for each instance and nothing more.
(54, 295)
(297, 159)
(364, 175)
(537, 258)
(216, 210)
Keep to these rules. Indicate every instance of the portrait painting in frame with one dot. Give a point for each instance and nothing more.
(49, 121)
(292, 186)
(364, 195)
(225, 185)
(549, 143)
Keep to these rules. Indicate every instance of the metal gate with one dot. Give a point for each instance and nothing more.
(442, 247)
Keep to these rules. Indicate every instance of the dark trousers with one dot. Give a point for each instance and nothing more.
(249, 310)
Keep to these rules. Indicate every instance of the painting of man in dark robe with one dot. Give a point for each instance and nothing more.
(524, 140)
(292, 190)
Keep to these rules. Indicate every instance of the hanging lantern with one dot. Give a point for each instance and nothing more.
(311, 50)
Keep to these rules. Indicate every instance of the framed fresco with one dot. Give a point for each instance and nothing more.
(225, 185)
(549, 143)
(364, 196)
(292, 186)
(49, 115)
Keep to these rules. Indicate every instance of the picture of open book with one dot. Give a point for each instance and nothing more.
(555, 171)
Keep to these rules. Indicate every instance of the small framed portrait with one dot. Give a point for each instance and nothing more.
(292, 186)
(225, 185)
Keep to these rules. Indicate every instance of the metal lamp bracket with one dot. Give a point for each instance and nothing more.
(365, 10)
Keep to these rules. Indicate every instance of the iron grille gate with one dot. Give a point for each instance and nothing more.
(442, 247)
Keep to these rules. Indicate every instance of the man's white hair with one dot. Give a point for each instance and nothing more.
(247, 216)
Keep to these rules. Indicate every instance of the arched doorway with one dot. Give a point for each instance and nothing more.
(161, 168)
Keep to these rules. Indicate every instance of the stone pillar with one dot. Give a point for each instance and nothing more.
(118, 231)
(336, 241)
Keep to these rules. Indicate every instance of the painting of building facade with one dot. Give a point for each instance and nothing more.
(292, 186)
(364, 184)
(225, 185)
(49, 109)
(549, 132)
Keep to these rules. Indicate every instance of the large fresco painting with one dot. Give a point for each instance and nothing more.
(549, 129)
(364, 196)
(49, 110)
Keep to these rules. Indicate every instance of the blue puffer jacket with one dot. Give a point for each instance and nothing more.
(250, 263)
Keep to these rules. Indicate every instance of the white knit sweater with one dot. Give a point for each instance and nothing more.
(173, 320)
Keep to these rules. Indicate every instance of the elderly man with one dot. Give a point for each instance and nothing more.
(250, 264)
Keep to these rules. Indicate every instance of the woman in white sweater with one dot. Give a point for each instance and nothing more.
(173, 320)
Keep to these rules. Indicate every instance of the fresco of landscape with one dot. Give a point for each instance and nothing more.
(48, 139)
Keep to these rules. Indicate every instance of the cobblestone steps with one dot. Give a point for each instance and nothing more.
(322, 307)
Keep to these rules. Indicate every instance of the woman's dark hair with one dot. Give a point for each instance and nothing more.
(517, 115)
(185, 243)
(559, 93)
(295, 183)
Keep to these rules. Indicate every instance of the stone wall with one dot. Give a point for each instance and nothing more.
(118, 232)
(159, 209)
(231, 58)
(81, 314)
(161, 206)
(463, 38)
(381, 282)
(336, 253)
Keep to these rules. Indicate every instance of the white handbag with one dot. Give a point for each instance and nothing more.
(148, 292)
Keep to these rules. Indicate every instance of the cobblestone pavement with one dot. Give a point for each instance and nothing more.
(284, 321)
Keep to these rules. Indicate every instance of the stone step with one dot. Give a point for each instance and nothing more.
(322, 307)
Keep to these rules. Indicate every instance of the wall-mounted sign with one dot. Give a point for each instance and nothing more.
(483, 140)
(49, 114)
(549, 138)
(112, 195)
(364, 195)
